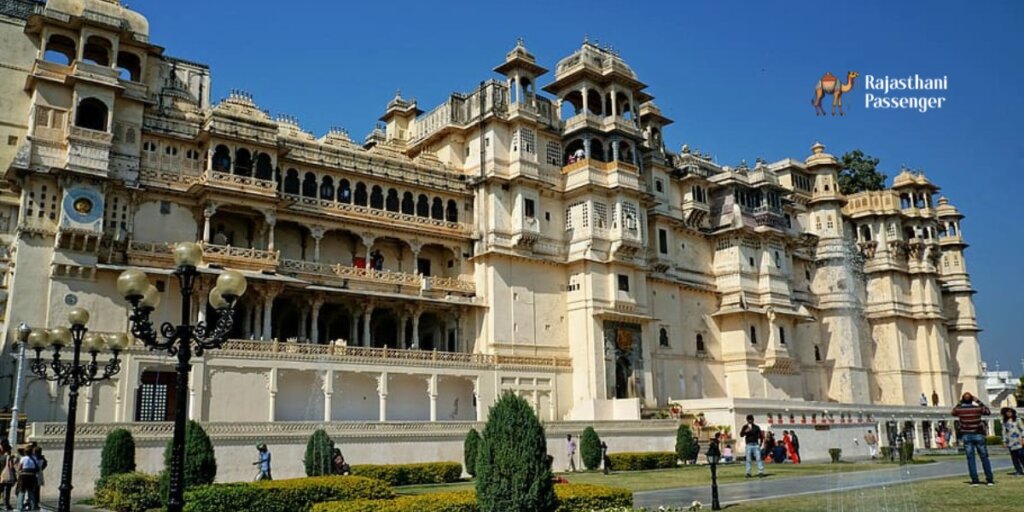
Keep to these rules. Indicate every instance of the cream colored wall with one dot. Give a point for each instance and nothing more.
(153, 226)
(17, 59)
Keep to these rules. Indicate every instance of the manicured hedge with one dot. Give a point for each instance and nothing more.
(128, 492)
(411, 474)
(296, 494)
(571, 498)
(638, 461)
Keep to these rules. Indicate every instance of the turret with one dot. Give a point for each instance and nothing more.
(399, 116)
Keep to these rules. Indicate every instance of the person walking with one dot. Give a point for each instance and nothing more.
(8, 473)
(972, 435)
(787, 441)
(28, 483)
(752, 436)
(871, 440)
(796, 443)
(1013, 438)
(263, 462)
(570, 448)
(37, 454)
(924, 400)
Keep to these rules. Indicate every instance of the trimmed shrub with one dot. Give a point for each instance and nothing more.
(997, 428)
(908, 452)
(128, 492)
(118, 454)
(836, 454)
(319, 457)
(590, 448)
(411, 474)
(886, 452)
(685, 449)
(469, 450)
(200, 460)
(513, 473)
(993, 440)
(571, 498)
(296, 494)
(639, 461)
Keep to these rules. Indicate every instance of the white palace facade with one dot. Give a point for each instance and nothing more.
(534, 235)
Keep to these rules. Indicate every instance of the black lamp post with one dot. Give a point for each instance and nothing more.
(714, 455)
(74, 374)
(179, 340)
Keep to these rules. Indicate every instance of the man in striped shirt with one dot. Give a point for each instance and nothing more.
(972, 434)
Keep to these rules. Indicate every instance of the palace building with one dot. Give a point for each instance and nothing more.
(533, 235)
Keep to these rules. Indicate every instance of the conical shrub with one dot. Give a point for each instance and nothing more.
(118, 454)
(200, 460)
(470, 448)
(590, 448)
(319, 457)
(512, 469)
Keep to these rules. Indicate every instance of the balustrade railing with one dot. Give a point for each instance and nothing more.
(366, 212)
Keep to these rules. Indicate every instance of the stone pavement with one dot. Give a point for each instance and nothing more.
(764, 488)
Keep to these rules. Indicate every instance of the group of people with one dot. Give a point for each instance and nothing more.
(935, 399)
(22, 473)
(762, 447)
(972, 432)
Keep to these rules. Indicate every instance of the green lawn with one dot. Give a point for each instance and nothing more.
(942, 494)
(685, 476)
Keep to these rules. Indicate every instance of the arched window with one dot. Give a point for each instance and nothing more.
(865, 233)
(129, 66)
(437, 209)
(360, 193)
(952, 229)
(377, 198)
(291, 182)
(422, 206)
(327, 189)
(344, 192)
(408, 205)
(663, 337)
(60, 49)
(451, 212)
(904, 201)
(392, 200)
(222, 159)
(243, 162)
(264, 167)
(700, 343)
(97, 51)
(753, 335)
(92, 114)
(309, 185)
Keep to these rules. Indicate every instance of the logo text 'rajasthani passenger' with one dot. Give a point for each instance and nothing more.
(829, 84)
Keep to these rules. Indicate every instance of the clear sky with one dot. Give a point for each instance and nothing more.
(736, 77)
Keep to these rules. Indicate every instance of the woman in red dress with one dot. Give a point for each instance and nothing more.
(787, 441)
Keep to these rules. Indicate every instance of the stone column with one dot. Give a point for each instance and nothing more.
(272, 392)
(480, 415)
(586, 146)
(416, 329)
(317, 232)
(314, 330)
(270, 221)
(208, 212)
(615, 150)
(584, 91)
(382, 393)
(246, 320)
(328, 388)
(432, 394)
(87, 410)
(368, 240)
(367, 317)
(354, 327)
(403, 341)
(615, 105)
(202, 291)
(270, 292)
(919, 435)
(197, 391)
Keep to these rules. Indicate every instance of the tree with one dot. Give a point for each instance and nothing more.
(685, 449)
(859, 173)
(118, 454)
(319, 454)
(470, 449)
(590, 448)
(513, 471)
(200, 460)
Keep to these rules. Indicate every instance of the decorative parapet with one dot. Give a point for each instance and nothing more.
(389, 218)
(245, 184)
(450, 284)
(159, 254)
(410, 284)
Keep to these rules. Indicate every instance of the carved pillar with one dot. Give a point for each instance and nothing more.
(367, 317)
(368, 240)
(416, 329)
(432, 394)
(208, 212)
(202, 291)
(303, 321)
(87, 411)
(270, 221)
(586, 146)
(270, 292)
(314, 330)
(197, 391)
(272, 393)
(328, 388)
(480, 416)
(317, 232)
(585, 104)
(382, 394)
(415, 246)
(403, 341)
(353, 335)
(615, 148)
(246, 321)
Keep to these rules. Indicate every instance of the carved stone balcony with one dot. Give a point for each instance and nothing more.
(232, 182)
(88, 150)
(96, 74)
(382, 217)
(588, 171)
(769, 216)
(370, 280)
(695, 213)
(158, 254)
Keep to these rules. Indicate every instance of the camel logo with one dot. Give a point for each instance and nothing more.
(829, 84)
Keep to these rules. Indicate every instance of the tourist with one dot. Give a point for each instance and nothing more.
(570, 448)
(972, 434)
(713, 450)
(752, 436)
(696, 451)
(871, 440)
(340, 466)
(263, 463)
(768, 447)
(606, 462)
(796, 443)
(37, 455)
(28, 483)
(935, 398)
(727, 456)
(924, 400)
(1013, 438)
(787, 441)
(778, 451)
(8, 472)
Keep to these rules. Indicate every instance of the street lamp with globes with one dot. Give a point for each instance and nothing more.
(74, 374)
(181, 340)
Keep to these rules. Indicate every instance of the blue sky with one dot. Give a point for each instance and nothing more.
(736, 77)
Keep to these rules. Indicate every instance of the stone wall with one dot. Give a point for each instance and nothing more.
(362, 443)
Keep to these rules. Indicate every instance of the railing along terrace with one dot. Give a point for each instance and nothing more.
(349, 273)
(159, 253)
(235, 181)
(376, 214)
(339, 352)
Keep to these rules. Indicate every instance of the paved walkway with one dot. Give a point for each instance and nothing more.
(768, 487)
